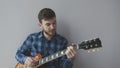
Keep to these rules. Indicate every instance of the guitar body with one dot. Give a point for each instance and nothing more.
(19, 65)
(37, 57)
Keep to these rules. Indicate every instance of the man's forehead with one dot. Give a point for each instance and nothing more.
(52, 20)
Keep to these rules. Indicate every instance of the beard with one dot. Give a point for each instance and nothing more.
(50, 33)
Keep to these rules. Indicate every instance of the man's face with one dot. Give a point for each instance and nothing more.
(49, 26)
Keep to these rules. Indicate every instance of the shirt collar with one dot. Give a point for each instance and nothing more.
(41, 35)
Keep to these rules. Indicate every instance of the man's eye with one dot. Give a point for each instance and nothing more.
(48, 24)
(54, 23)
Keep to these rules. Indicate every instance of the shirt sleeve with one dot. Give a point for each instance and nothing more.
(64, 61)
(23, 51)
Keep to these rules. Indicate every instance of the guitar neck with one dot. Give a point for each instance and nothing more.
(53, 56)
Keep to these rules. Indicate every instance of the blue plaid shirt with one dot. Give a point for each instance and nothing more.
(36, 43)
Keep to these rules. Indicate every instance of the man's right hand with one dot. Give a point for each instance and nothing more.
(30, 62)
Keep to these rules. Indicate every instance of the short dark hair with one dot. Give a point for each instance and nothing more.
(46, 13)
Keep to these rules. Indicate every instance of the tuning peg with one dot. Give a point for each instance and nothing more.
(91, 46)
(93, 50)
(86, 47)
(97, 49)
(88, 51)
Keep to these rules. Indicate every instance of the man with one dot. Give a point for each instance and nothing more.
(46, 42)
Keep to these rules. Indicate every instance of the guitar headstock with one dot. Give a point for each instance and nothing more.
(90, 44)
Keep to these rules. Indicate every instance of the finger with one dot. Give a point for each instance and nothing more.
(69, 53)
(29, 61)
(72, 50)
(73, 44)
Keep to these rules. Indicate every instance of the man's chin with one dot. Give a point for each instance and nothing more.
(51, 34)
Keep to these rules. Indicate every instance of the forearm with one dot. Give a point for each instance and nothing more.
(20, 57)
(66, 63)
(23, 51)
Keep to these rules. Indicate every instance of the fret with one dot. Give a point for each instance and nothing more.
(59, 53)
(49, 57)
(42, 61)
(77, 46)
(46, 58)
(56, 55)
(62, 52)
(52, 56)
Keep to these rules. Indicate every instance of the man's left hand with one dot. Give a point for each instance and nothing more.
(70, 52)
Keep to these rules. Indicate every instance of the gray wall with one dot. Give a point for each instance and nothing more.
(78, 20)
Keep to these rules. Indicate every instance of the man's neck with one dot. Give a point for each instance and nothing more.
(48, 37)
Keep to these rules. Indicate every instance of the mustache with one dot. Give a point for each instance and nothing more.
(52, 30)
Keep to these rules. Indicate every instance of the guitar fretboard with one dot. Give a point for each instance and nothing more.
(52, 57)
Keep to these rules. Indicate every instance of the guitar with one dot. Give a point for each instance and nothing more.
(85, 45)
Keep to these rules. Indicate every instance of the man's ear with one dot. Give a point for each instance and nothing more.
(40, 25)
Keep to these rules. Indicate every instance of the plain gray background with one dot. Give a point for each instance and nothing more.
(77, 20)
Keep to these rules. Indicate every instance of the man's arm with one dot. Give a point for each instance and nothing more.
(67, 60)
(23, 51)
